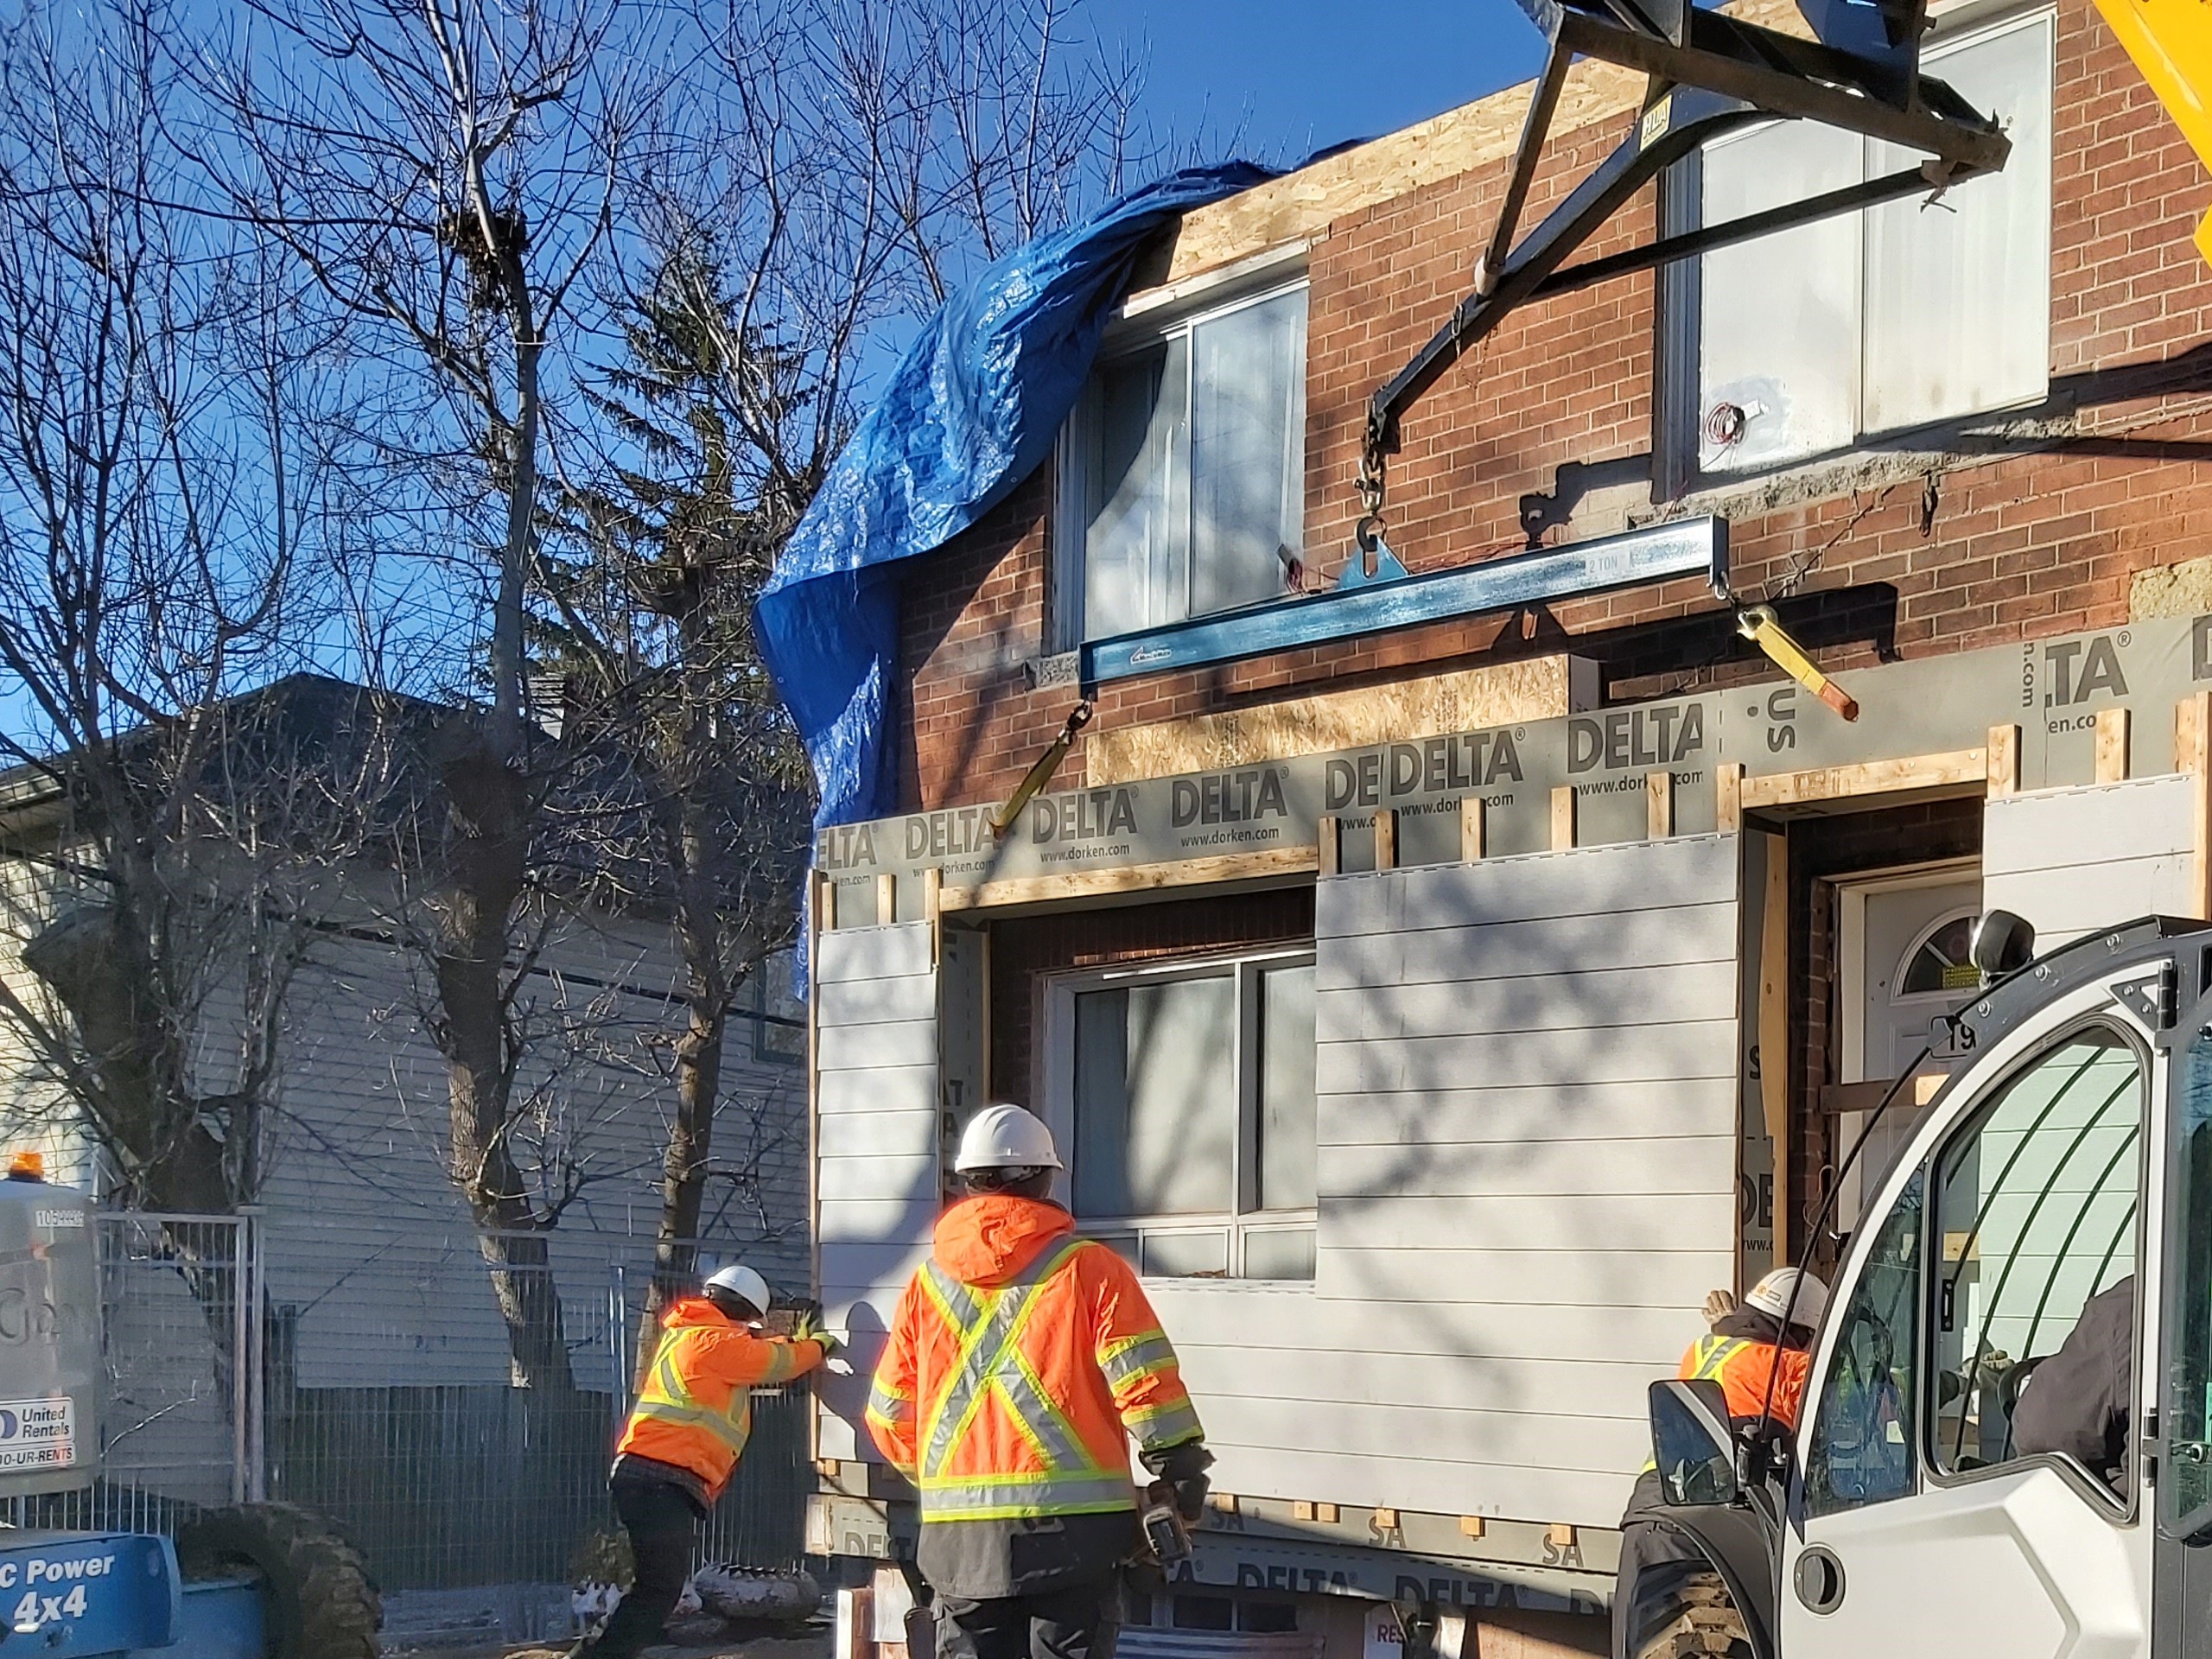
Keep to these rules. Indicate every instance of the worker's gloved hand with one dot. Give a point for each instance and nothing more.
(1184, 1468)
(807, 1326)
(1719, 1305)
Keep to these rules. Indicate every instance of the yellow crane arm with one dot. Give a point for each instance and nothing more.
(2171, 42)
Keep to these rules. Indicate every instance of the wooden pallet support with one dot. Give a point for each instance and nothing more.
(1470, 1526)
(1386, 1520)
(2002, 767)
(1563, 818)
(2112, 745)
(1728, 796)
(1386, 838)
(1559, 1535)
(1328, 1512)
(1332, 844)
(1474, 827)
(1658, 804)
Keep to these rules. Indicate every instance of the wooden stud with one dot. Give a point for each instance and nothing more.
(2112, 745)
(1474, 827)
(1728, 796)
(1658, 804)
(828, 913)
(1328, 1512)
(1331, 846)
(2001, 769)
(826, 1467)
(1949, 770)
(2185, 733)
(1221, 1502)
(1470, 1526)
(1559, 1536)
(1301, 1510)
(1386, 838)
(2198, 765)
(1386, 1520)
(1133, 877)
(886, 899)
(1563, 818)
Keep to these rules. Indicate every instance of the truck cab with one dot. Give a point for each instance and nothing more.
(2068, 1158)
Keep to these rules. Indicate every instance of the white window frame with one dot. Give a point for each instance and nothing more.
(1128, 337)
(1058, 1077)
(1679, 394)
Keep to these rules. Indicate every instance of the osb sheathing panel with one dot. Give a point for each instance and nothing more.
(1465, 701)
(1474, 136)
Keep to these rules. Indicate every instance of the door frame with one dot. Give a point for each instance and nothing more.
(1851, 894)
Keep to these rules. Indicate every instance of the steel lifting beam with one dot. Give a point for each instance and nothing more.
(1709, 73)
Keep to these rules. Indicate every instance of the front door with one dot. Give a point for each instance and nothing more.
(1924, 1522)
(1904, 965)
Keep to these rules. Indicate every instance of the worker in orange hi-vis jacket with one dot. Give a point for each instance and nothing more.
(1022, 1361)
(686, 1434)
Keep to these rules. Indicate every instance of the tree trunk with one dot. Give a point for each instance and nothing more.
(486, 854)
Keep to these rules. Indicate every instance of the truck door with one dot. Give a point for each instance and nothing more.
(1921, 1521)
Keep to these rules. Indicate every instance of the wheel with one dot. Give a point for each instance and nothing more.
(320, 1601)
(1695, 1620)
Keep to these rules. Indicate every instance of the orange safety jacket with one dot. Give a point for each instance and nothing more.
(1020, 1357)
(695, 1409)
(1744, 1370)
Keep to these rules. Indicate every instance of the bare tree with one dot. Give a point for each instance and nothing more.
(834, 166)
(161, 483)
(446, 173)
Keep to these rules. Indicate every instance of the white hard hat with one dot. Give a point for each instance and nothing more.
(1773, 1293)
(1005, 1137)
(743, 1283)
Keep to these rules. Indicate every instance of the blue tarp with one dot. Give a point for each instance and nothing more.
(972, 408)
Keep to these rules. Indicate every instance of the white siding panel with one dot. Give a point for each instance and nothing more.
(877, 1051)
(1527, 1080)
(2073, 861)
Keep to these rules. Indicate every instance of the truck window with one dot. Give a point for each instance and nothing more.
(2036, 1213)
(2188, 1487)
(1862, 1449)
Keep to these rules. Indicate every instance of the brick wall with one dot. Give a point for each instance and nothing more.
(2017, 545)
(1025, 950)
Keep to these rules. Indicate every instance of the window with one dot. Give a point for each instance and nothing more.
(2187, 1488)
(2036, 1213)
(1192, 1092)
(1862, 1449)
(1183, 479)
(778, 1018)
(1906, 313)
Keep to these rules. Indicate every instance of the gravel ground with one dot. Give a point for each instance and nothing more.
(811, 1643)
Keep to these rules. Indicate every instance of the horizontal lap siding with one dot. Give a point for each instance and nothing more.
(2073, 861)
(1527, 1101)
(876, 1057)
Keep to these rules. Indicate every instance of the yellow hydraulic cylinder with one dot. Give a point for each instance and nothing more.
(2171, 43)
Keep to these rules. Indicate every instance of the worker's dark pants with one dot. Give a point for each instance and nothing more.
(659, 1519)
(1654, 1561)
(1080, 1622)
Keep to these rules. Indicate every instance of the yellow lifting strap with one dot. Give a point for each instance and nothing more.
(2171, 42)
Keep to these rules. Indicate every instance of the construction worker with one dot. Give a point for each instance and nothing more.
(1020, 1358)
(686, 1434)
(1760, 1352)
(2078, 1401)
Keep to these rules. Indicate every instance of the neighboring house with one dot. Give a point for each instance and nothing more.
(376, 1296)
(1436, 1011)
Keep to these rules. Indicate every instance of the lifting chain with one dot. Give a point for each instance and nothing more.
(1368, 534)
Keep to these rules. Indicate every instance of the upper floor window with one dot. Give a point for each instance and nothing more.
(1901, 315)
(1182, 483)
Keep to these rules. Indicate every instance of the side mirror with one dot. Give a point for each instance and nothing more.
(2003, 943)
(1693, 1442)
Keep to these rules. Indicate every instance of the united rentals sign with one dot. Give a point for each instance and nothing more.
(2052, 689)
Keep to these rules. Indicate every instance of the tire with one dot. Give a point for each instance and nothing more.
(318, 1599)
(1696, 1621)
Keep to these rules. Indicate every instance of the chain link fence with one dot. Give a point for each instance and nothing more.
(375, 1387)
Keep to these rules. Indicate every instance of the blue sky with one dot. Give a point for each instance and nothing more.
(1296, 75)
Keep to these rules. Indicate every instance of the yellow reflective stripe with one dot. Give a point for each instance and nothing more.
(989, 1497)
(1058, 1447)
(886, 1406)
(1713, 1353)
(730, 1433)
(783, 1363)
(676, 1404)
(1164, 1425)
(972, 1383)
(1140, 1356)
